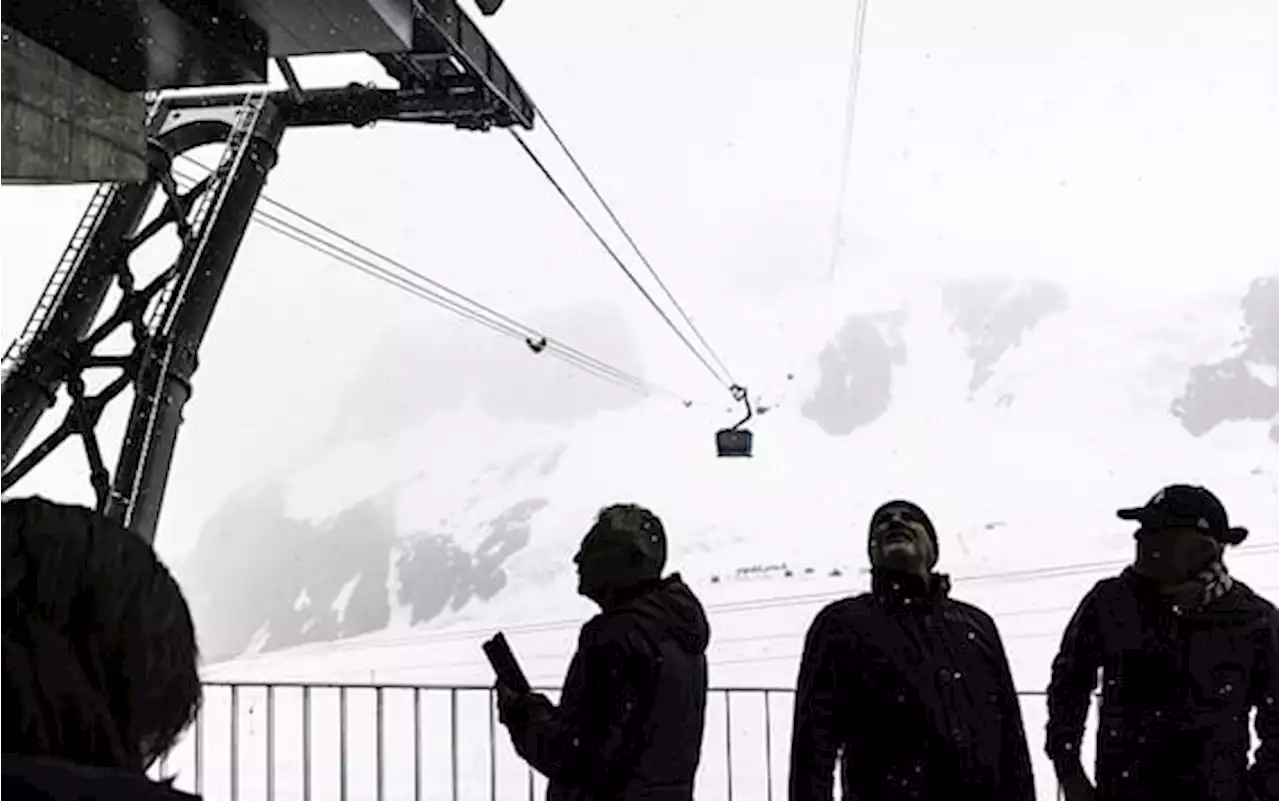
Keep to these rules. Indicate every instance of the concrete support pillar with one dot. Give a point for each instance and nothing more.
(63, 125)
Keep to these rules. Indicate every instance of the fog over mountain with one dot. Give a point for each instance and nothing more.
(442, 490)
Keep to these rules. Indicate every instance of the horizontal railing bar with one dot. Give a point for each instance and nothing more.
(404, 685)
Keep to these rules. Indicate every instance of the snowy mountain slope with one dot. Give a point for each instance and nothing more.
(1020, 414)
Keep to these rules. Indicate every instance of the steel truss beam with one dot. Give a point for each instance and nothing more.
(167, 317)
(452, 77)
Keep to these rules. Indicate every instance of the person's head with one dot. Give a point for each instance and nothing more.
(100, 656)
(1182, 530)
(902, 539)
(624, 548)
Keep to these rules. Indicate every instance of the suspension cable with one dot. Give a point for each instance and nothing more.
(417, 275)
(496, 321)
(643, 259)
(726, 382)
(846, 148)
(296, 234)
(588, 364)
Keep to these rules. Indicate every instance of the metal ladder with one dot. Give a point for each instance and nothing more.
(58, 282)
(206, 206)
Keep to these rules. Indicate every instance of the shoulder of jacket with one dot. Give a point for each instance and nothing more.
(620, 628)
(1110, 586)
(845, 610)
(596, 628)
(1255, 602)
(980, 615)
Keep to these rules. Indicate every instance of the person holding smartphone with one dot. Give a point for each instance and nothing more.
(630, 720)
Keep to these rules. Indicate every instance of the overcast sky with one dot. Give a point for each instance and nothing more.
(1124, 141)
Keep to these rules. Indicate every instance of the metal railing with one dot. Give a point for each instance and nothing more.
(402, 742)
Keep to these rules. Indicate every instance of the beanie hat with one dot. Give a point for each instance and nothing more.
(913, 512)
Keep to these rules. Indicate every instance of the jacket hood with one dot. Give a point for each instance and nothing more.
(56, 780)
(668, 606)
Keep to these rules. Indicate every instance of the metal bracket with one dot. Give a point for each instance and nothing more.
(740, 395)
(448, 49)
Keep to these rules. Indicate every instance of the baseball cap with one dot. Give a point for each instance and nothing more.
(1190, 506)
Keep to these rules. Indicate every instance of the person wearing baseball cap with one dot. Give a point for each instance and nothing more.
(1186, 651)
(1185, 506)
(907, 687)
(631, 716)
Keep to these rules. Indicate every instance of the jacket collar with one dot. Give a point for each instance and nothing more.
(906, 589)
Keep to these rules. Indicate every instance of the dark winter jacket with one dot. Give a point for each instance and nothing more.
(630, 721)
(35, 779)
(1176, 696)
(914, 689)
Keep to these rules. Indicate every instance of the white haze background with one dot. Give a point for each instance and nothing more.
(1122, 150)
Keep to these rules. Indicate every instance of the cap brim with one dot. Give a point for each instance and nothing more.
(1235, 535)
(1139, 513)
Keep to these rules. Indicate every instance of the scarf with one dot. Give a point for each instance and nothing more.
(1202, 589)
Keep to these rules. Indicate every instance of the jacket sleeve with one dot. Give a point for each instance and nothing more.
(1016, 781)
(815, 738)
(589, 748)
(1262, 774)
(1073, 680)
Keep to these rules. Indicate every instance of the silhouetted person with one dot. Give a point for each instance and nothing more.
(1186, 652)
(99, 658)
(630, 721)
(908, 687)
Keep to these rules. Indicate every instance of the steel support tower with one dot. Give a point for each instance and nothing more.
(451, 77)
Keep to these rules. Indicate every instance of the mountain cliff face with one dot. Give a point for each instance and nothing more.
(455, 498)
(1241, 386)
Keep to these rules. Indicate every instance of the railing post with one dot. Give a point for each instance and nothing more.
(306, 744)
(342, 743)
(235, 742)
(199, 751)
(728, 744)
(378, 742)
(417, 744)
(453, 741)
(271, 742)
(768, 747)
(493, 746)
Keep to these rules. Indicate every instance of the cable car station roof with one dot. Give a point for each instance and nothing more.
(74, 72)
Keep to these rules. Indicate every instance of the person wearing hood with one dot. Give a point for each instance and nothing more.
(631, 715)
(100, 659)
(1186, 653)
(909, 688)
